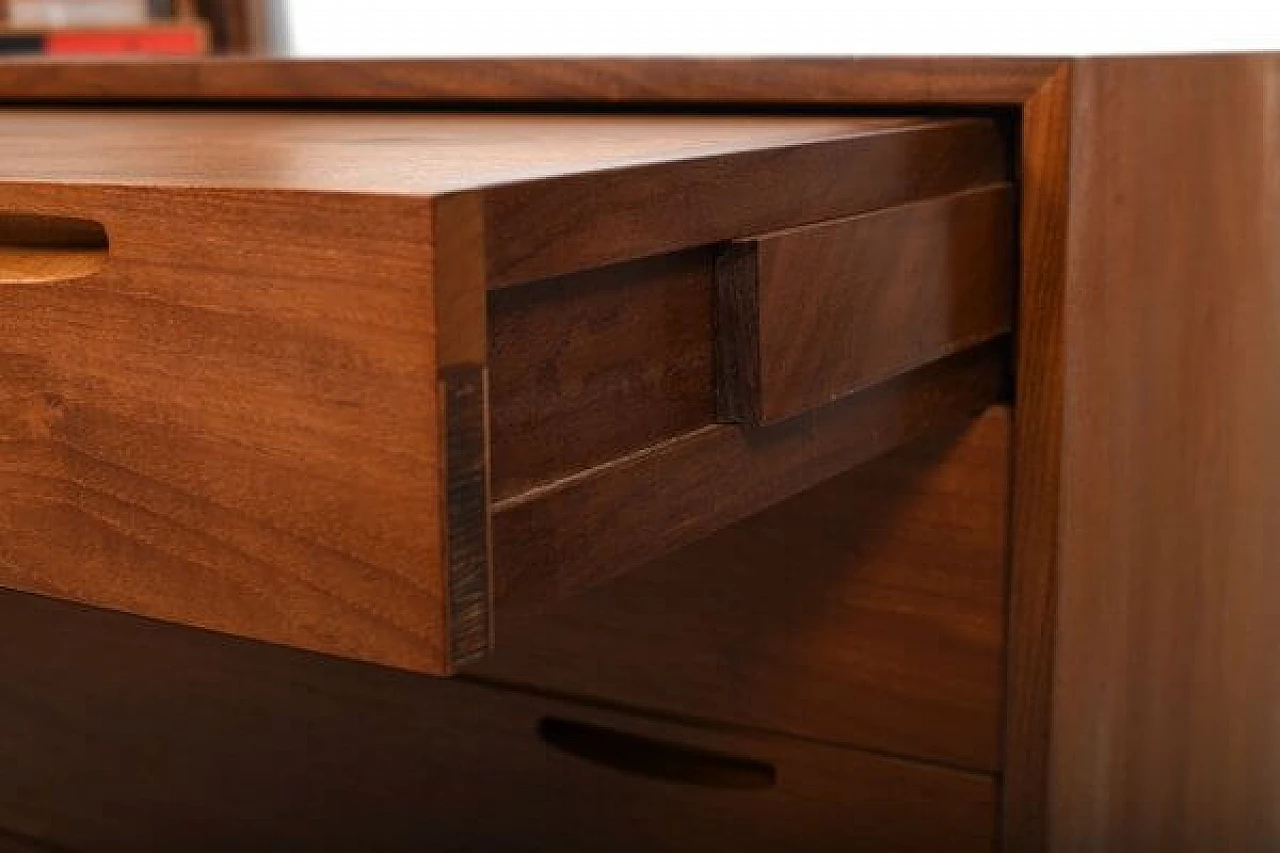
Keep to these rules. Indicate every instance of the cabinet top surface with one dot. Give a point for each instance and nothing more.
(809, 81)
(395, 152)
(1001, 81)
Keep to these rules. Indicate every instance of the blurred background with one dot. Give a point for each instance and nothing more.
(134, 28)
(407, 28)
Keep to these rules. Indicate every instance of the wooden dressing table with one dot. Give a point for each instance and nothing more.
(654, 455)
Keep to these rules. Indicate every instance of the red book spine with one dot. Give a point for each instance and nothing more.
(170, 41)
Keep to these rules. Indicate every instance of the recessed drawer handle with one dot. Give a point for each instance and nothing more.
(656, 759)
(38, 249)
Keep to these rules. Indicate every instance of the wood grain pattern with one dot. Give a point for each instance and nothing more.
(123, 735)
(557, 194)
(35, 249)
(1166, 692)
(820, 311)
(395, 153)
(760, 81)
(266, 414)
(1144, 471)
(1038, 473)
(590, 367)
(581, 530)
(867, 611)
(234, 423)
(583, 221)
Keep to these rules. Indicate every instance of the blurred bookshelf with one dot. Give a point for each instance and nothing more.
(133, 28)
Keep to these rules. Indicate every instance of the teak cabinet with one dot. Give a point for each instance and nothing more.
(777, 454)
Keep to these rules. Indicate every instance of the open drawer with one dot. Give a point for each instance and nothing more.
(343, 381)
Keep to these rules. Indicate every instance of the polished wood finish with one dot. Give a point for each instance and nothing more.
(782, 172)
(124, 735)
(393, 152)
(591, 367)
(781, 82)
(234, 423)
(1165, 732)
(300, 432)
(35, 249)
(556, 194)
(1139, 705)
(570, 535)
(867, 611)
(1037, 469)
(810, 314)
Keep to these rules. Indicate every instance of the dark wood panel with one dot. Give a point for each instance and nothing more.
(610, 519)
(586, 368)
(1037, 480)
(1165, 708)
(12, 842)
(810, 314)
(808, 81)
(868, 610)
(123, 735)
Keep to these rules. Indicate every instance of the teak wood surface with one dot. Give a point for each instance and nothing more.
(808, 315)
(267, 407)
(867, 611)
(1141, 704)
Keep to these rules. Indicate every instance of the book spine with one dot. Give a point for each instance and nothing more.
(152, 41)
(170, 41)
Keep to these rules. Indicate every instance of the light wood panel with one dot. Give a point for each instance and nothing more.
(400, 153)
(554, 194)
(234, 424)
(1165, 732)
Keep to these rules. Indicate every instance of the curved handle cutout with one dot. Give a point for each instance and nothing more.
(37, 249)
(656, 759)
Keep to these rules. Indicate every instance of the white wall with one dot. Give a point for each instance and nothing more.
(543, 27)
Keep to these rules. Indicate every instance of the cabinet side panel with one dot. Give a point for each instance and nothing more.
(1166, 691)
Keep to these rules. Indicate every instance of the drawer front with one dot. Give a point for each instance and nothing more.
(867, 611)
(123, 735)
(246, 358)
(233, 422)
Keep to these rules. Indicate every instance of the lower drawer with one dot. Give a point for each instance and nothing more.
(121, 734)
(868, 611)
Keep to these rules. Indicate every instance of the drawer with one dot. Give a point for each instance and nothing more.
(868, 611)
(357, 382)
(123, 735)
